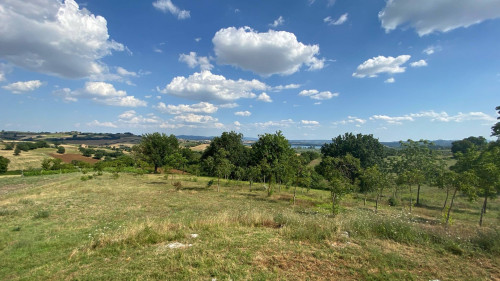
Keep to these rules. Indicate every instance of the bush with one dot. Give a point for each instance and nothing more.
(488, 241)
(210, 183)
(42, 214)
(4, 163)
(177, 185)
(393, 201)
(61, 150)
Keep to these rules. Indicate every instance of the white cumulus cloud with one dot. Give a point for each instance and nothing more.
(435, 117)
(428, 16)
(101, 92)
(264, 97)
(96, 123)
(419, 63)
(205, 86)
(23, 86)
(202, 107)
(309, 122)
(390, 80)
(243, 113)
(168, 6)
(317, 95)
(194, 118)
(54, 37)
(265, 53)
(193, 60)
(381, 64)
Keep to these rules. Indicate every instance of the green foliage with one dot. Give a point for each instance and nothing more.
(4, 163)
(488, 240)
(17, 151)
(475, 143)
(232, 142)
(155, 148)
(61, 150)
(309, 156)
(364, 147)
(9, 146)
(177, 185)
(496, 128)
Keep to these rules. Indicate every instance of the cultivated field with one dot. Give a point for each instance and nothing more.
(60, 227)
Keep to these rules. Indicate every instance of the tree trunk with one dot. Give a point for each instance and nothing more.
(250, 186)
(446, 200)
(294, 193)
(156, 169)
(411, 200)
(418, 195)
(364, 201)
(218, 184)
(376, 203)
(451, 205)
(333, 202)
(482, 210)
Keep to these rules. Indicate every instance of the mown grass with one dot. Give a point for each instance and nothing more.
(59, 227)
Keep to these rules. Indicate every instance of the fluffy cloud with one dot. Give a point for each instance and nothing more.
(194, 118)
(192, 60)
(285, 87)
(264, 97)
(101, 92)
(205, 86)
(390, 80)
(317, 95)
(131, 118)
(351, 120)
(168, 6)
(435, 116)
(419, 63)
(23, 87)
(309, 122)
(96, 123)
(202, 107)
(342, 19)
(229, 105)
(266, 53)
(123, 72)
(243, 113)
(428, 16)
(52, 37)
(381, 64)
(431, 50)
(279, 21)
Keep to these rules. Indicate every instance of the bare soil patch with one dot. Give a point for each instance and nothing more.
(67, 158)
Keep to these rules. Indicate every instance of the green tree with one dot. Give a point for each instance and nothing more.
(252, 173)
(341, 173)
(416, 165)
(4, 163)
(273, 150)
(61, 150)
(364, 147)
(9, 146)
(496, 128)
(237, 154)
(374, 179)
(17, 151)
(488, 175)
(462, 146)
(154, 148)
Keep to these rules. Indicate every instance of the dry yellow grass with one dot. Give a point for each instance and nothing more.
(200, 147)
(27, 159)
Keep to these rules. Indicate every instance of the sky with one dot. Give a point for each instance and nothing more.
(314, 69)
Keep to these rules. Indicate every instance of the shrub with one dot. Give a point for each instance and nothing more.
(61, 150)
(4, 163)
(210, 183)
(42, 214)
(177, 185)
(488, 241)
(393, 201)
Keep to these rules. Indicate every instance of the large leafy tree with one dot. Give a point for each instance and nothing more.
(232, 142)
(156, 148)
(375, 179)
(273, 153)
(364, 147)
(478, 143)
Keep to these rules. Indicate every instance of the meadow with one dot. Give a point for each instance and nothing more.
(123, 227)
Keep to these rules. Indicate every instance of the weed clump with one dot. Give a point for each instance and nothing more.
(42, 214)
(177, 185)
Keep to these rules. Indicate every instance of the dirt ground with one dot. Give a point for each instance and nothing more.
(67, 158)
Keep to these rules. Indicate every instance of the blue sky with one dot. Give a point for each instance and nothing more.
(396, 69)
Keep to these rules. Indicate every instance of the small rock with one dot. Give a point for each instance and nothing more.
(194, 235)
(344, 234)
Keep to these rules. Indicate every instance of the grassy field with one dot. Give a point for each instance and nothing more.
(60, 227)
(27, 159)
